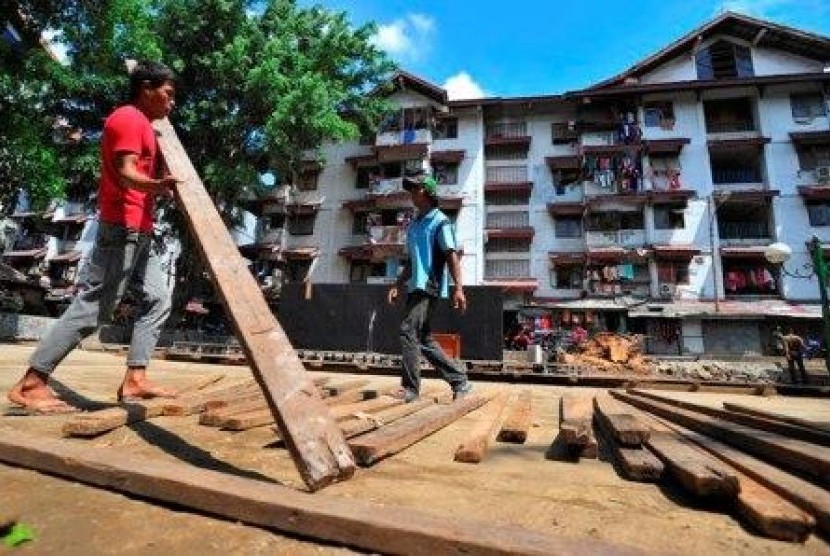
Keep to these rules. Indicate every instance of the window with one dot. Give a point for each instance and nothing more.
(722, 60)
(612, 221)
(568, 276)
(507, 245)
(739, 165)
(446, 172)
(564, 178)
(819, 214)
(568, 226)
(669, 217)
(307, 181)
(361, 223)
(301, 224)
(365, 176)
(659, 114)
(673, 272)
(446, 128)
(505, 152)
(563, 133)
(811, 157)
(297, 270)
(807, 106)
(361, 270)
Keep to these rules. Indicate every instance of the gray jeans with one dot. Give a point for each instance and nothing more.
(121, 260)
(416, 339)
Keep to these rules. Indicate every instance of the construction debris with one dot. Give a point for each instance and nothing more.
(611, 353)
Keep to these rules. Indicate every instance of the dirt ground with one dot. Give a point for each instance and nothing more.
(516, 484)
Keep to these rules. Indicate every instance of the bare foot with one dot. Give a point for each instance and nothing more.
(137, 386)
(33, 392)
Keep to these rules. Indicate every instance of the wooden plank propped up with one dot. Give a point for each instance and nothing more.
(519, 418)
(475, 446)
(788, 453)
(371, 527)
(385, 441)
(312, 436)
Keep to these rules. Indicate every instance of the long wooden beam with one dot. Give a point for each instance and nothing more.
(313, 438)
(475, 445)
(363, 525)
(517, 424)
(776, 416)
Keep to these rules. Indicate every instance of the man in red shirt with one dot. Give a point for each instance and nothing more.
(123, 257)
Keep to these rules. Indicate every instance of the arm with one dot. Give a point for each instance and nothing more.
(459, 301)
(127, 166)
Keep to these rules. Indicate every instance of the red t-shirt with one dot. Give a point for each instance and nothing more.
(127, 130)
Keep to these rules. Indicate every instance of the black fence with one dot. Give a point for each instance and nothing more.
(356, 317)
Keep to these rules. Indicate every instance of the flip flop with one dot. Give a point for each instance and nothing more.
(41, 409)
(145, 397)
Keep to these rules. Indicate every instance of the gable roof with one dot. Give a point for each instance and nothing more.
(404, 80)
(757, 31)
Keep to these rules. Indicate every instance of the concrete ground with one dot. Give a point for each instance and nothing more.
(516, 484)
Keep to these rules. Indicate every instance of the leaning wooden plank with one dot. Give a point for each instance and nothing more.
(786, 452)
(362, 525)
(798, 421)
(518, 421)
(475, 446)
(761, 423)
(398, 436)
(315, 442)
(811, 498)
(575, 418)
(637, 464)
(98, 422)
(625, 427)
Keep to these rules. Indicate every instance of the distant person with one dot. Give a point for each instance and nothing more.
(432, 248)
(578, 335)
(794, 353)
(122, 257)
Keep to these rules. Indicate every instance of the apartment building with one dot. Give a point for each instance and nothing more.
(643, 203)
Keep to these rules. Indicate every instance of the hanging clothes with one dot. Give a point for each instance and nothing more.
(626, 271)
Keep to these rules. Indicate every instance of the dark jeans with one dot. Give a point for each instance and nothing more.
(416, 340)
(793, 360)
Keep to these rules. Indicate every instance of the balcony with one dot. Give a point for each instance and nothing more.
(744, 233)
(729, 116)
(616, 238)
(386, 235)
(394, 138)
(507, 133)
(387, 186)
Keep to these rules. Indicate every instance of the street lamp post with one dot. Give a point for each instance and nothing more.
(780, 253)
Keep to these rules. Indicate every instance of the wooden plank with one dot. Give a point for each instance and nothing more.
(798, 421)
(625, 427)
(337, 389)
(475, 447)
(373, 405)
(313, 438)
(351, 522)
(811, 498)
(188, 405)
(761, 423)
(98, 422)
(767, 510)
(376, 445)
(519, 418)
(576, 413)
(636, 464)
(698, 472)
(229, 402)
(215, 418)
(789, 453)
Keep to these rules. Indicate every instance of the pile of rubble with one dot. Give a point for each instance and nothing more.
(725, 371)
(611, 353)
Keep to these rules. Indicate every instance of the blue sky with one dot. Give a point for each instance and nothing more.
(527, 47)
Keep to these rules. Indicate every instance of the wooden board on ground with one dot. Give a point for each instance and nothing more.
(789, 453)
(773, 515)
(98, 422)
(636, 464)
(576, 413)
(370, 527)
(798, 421)
(313, 438)
(811, 498)
(376, 445)
(519, 417)
(188, 405)
(215, 417)
(618, 419)
(475, 446)
(337, 389)
(757, 422)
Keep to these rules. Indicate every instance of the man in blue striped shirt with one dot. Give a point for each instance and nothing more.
(432, 248)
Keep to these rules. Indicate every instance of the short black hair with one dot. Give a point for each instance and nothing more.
(155, 74)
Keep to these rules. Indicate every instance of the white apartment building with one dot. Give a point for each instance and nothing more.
(643, 203)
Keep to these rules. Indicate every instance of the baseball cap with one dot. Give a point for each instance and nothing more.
(427, 182)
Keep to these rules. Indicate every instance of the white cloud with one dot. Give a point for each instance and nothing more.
(406, 38)
(462, 86)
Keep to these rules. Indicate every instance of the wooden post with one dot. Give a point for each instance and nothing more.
(315, 441)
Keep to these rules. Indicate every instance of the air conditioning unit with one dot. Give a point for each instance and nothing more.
(822, 174)
(667, 290)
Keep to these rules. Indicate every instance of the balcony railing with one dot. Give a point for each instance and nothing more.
(618, 238)
(507, 130)
(508, 220)
(506, 174)
(386, 186)
(506, 268)
(599, 138)
(274, 236)
(743, 231)
(33, 241)
(735, 126)
(386, 235)
(403, 137)
(736, 175)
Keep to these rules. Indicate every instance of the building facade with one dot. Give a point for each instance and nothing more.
(643, 203)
